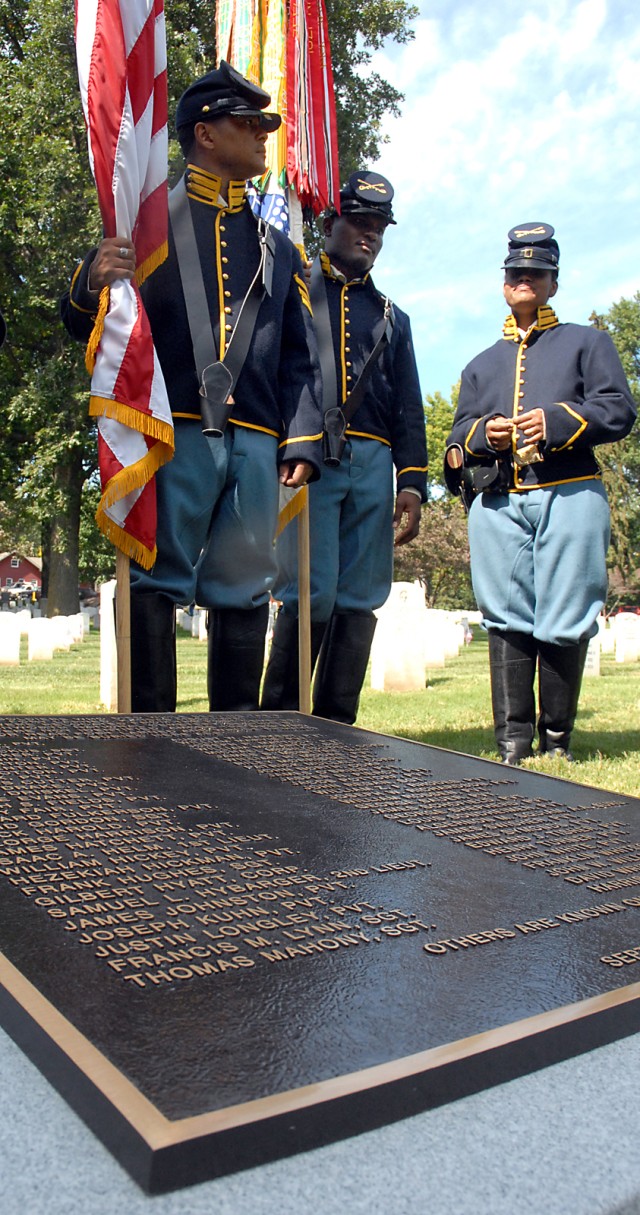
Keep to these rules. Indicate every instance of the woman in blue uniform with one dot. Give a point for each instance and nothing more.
(530, 411)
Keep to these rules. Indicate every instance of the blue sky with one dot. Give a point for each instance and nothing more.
(511, 115)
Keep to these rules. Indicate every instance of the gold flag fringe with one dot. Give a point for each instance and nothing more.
(127, 544)
(135, 419)
(151, 263)
(97, 331)
(143, 271)
(134, 476)
(292, 508)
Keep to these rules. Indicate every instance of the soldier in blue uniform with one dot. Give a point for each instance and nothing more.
(530, 411)
(372, 393)
(218, 497)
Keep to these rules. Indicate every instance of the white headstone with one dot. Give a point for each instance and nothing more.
(183, 619)
(202, 626)
(627, 632)
(93, 615)
(62, 632)
(76, 627)
(9, 640)
(434, 646)
(453, 639)
(108, 652)
(40, 640)
(23, 617)
(435, 637)
(607, 636)
(592, 662)
(397, 654)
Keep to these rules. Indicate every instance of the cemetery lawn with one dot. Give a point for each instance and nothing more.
(454, 710)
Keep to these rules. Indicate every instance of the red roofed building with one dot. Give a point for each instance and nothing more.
(19, 574)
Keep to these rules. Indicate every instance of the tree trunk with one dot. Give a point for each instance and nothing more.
(63, 597)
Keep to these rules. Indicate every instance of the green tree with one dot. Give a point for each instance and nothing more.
(439, 556)
(356, 29)
(47, 213)
(439, 414)
(97, 556)
(620, 462)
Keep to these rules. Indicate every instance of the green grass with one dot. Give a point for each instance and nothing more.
(454, 711)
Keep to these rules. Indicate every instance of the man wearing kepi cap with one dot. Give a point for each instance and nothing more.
(231, 322)
(374, 420)
(530, 411)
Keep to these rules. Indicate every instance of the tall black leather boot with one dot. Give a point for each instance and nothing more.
(560, 677)
(342, 665)
(512, 660)
(236, 644)
(153, 654)
(281, 689)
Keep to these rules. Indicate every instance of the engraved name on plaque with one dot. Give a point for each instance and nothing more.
(231, 937)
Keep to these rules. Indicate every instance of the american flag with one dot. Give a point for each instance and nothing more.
(122, 69)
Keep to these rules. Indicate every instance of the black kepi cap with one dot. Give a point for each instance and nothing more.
(533, 246)
(367, 193)
(221, 93)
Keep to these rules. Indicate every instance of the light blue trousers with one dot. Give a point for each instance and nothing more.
(351, 535)
(217, 514)
(538, 560)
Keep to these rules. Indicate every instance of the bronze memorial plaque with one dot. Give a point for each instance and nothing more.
(231, 937)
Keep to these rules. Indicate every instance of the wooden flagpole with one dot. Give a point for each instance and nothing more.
(123, 633)
(304, 606)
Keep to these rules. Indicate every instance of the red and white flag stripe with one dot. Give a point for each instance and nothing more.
(122, 69)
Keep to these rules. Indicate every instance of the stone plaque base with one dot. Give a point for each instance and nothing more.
(231, 937)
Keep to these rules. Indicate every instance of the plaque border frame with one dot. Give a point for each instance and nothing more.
(161, 1154)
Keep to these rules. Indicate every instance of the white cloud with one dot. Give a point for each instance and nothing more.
(536, 121)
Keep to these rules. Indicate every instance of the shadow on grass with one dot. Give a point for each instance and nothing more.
(586, 744)
(468, 742)
(193, 704)
(439, 680)
(609, 744)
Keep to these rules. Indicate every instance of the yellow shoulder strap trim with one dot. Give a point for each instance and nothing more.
(304, 292)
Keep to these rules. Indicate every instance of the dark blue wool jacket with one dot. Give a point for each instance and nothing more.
(392, 410)
(279, 388)
(572, 372)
